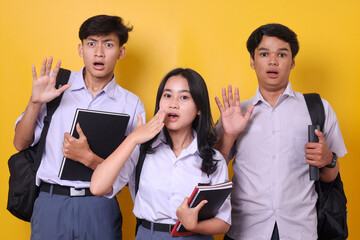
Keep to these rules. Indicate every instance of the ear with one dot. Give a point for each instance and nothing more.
(80, 50)
(252, 62)
(293, 63)
(198, 113)
(122, 52)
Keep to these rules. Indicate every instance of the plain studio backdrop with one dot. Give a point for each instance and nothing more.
(206, 35)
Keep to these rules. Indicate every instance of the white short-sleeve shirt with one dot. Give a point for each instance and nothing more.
(271, 177)
(166, 180)
(112, 98)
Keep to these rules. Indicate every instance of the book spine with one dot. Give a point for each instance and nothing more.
(192, 196)
(178, 227)
(71, 132)
(193, 199)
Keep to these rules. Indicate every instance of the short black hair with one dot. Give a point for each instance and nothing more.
(273, 30)
(103, 25)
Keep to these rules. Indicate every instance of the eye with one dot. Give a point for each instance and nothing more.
(263, 54)
(166, 95)
(184, 97)
(109, 44)
(282, 54)
(91, 44)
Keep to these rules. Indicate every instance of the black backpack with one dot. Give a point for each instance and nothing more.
(331, 204)
(24, 164)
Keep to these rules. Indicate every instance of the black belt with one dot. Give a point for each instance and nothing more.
(160, 227)
(63, 190)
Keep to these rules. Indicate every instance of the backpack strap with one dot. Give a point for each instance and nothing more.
(139, 166)
(316, 109)
(61, 79)
(317, 115)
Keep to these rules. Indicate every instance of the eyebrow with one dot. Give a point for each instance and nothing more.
(109, 40)
(267, 49)
(93, 39)
(283, 49)
(169, 90)
(106, 40)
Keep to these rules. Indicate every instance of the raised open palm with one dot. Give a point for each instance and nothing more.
(44, 89)
(233, 121)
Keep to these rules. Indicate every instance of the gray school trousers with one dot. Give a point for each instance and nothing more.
(59, 217)
(146, 234)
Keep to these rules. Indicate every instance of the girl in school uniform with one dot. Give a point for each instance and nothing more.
(178, 142)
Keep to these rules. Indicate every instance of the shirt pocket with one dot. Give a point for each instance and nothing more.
(298, 139)
(200, 180)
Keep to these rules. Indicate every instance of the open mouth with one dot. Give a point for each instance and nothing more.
(272, 73)
(173, 116)
(98, 65)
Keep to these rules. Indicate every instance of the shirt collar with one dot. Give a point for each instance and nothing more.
(289, 92)
(109, 89)
(191, 149)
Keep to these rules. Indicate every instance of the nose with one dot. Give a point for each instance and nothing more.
(273, 61)
(174, 104)
(99, 52)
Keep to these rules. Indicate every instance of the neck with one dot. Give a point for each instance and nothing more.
(180, 140)
(94, 84)
(271, 96)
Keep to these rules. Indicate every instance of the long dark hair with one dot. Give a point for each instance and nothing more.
(202, 124)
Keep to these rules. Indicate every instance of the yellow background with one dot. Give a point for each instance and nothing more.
(208, 36)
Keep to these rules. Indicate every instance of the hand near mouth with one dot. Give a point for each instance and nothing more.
(145, 132)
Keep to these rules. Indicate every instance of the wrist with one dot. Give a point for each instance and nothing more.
(191, 227)
(34, 102)
(132, 139)
(93, 160)
(32, 110)
(229, 136)
(333, 161)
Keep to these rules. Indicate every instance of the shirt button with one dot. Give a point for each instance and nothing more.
(273, 132)
(273, 157)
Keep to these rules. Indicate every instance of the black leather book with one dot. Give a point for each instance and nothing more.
(104, 132)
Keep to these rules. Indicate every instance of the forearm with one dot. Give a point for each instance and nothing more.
(211, 226)
(225, 144)
(24, 132)
(329, 174)
(93, 161)
(105, 174)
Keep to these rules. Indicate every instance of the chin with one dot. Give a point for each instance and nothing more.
(101, 74)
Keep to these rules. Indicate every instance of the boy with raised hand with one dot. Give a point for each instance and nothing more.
(57, 213)
(273, 197)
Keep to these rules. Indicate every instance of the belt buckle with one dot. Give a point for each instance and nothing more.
(77, 192)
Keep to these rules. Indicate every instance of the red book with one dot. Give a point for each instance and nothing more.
(214, 194)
